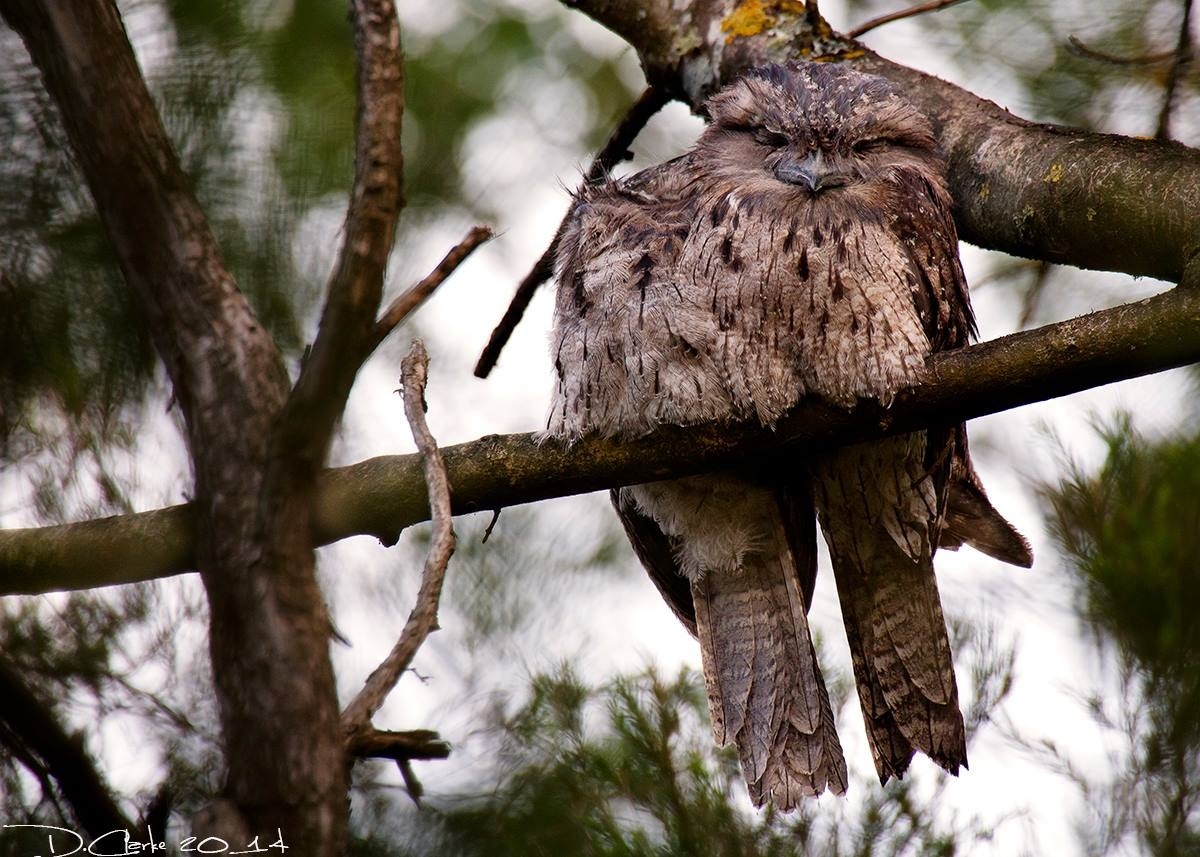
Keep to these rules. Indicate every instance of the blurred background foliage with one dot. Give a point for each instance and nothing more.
(259, 99)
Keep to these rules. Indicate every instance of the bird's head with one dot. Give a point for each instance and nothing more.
(816, 131)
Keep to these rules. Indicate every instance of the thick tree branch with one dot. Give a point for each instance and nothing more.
(1040, 191)
(422, 621)
(382, 495)
(30, 730)
(346, 334)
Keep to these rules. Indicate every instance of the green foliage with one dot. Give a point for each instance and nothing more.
(1131, 535)
(628, 769)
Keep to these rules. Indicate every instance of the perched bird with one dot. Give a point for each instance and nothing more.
(804, 246)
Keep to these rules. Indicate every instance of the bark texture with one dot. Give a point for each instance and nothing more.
(269, 631)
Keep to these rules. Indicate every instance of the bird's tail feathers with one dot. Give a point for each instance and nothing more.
(890, 605)
(901, 655)
(765, 689)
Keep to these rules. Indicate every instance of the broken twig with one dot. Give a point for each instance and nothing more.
(422, 621)
(415, 295)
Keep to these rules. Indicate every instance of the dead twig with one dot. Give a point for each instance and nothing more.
(422, 621)
(415, 295)
(615, 150)
(418, 744)
(1182, 56)
(912, 11)
(487, 534)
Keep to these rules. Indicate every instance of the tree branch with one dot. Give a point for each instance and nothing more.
(1039, 191)
(899, 15)
(346, 334)
(31, 730)
(380, 496)
(415, 295)
(615, 150)
(422, 621)
(418, 744)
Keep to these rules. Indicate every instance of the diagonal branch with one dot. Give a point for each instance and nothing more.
(31, 730)
(899, 15)
(615, 150)
(415, 295)
(422, 621)
(164, 245)
(382, 495)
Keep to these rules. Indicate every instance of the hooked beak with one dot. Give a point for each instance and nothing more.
(811, 173)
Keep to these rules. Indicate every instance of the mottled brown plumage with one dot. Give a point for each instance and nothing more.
(804, 246)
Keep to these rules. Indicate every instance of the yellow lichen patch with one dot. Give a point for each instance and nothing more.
(985, 190)
(747, 18)
(854, 54)
(1091, 214)
(751, 17)
(1054, 174)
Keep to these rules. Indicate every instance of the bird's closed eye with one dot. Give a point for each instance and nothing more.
(766, 137)
(875, 144)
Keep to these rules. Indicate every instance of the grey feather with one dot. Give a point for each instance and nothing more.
(804, 246)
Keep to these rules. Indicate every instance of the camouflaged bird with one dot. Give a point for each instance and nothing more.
(804, 246)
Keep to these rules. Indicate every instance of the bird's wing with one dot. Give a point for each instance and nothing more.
(943, 301)
(971, 519)
(656, 550)
(617, 248)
